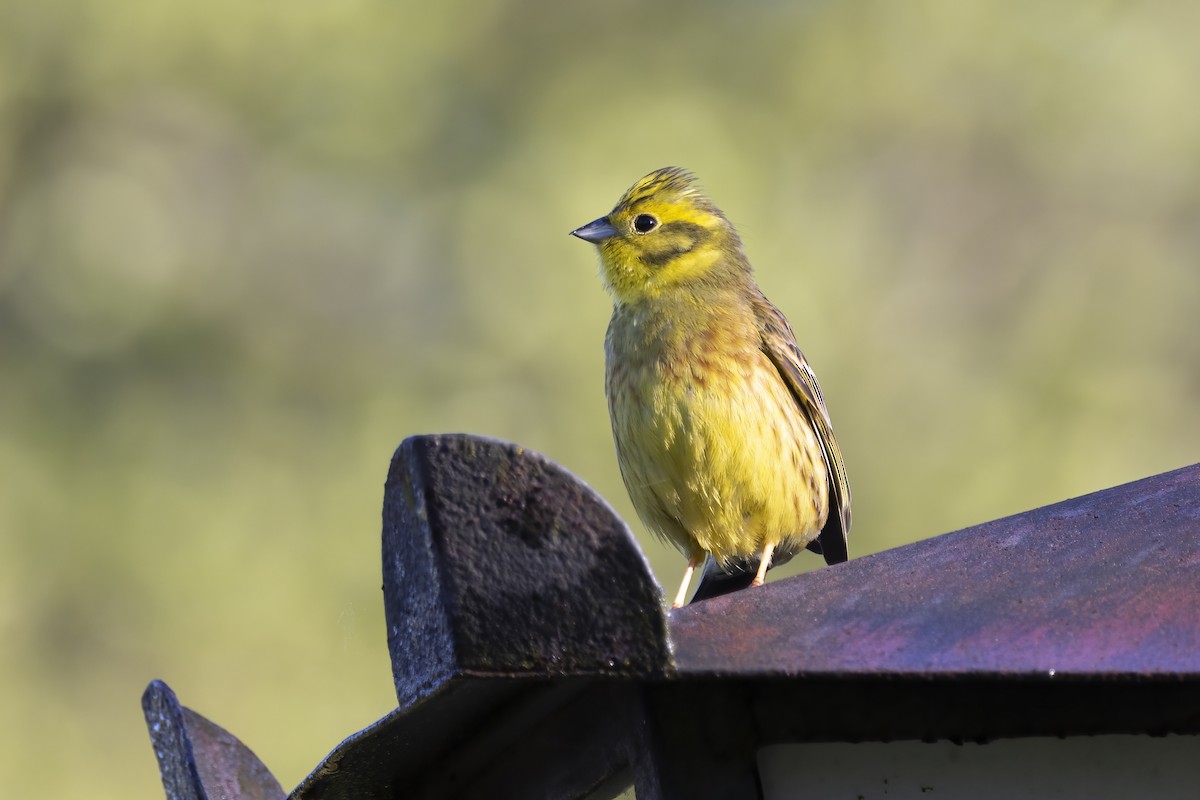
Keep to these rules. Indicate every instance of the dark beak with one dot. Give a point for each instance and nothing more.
(596, 231)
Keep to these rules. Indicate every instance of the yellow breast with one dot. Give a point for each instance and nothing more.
(715, 452)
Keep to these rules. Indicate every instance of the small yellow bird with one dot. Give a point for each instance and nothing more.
(721, 432)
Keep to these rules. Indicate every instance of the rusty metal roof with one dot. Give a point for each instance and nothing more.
(1106, 585)
(530, 648)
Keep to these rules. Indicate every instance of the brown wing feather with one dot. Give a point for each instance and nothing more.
(779, 343)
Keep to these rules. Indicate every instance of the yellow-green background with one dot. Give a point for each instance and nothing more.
(246, 248)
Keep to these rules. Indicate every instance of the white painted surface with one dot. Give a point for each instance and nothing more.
(1078, 768)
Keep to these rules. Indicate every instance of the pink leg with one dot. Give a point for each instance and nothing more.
(687, 579)
(763, 565)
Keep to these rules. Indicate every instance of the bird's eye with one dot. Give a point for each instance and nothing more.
(644, 223)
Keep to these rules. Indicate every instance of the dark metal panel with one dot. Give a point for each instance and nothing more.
(1103, 585)
(486, 739)
(388, 758)
(964, 709)
(497, 561)
(695, 740)
(198, 759)
(530, 654)
(561, 746)
(514, 594)
(172, 745)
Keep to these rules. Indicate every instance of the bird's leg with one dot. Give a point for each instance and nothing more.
(687, 578)
(763, 565)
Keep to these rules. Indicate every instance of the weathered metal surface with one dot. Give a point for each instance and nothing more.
(486, 739)
(562, 743)
(530, 653)
(1104, 585)
(693, 742)
(961, 708)
(199, 760)
(509, 585)
(172, 745)
(497, 561)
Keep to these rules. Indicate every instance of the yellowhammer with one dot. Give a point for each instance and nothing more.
(722, 435)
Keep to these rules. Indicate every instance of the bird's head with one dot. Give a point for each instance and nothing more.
(663, 234)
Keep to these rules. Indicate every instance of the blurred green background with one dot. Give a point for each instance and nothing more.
(246, 248)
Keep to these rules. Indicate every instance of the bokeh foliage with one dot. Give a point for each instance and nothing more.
(246, 248)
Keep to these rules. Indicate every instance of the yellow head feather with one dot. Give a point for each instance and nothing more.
(665, 234)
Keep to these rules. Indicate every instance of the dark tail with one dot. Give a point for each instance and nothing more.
(715, 581)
